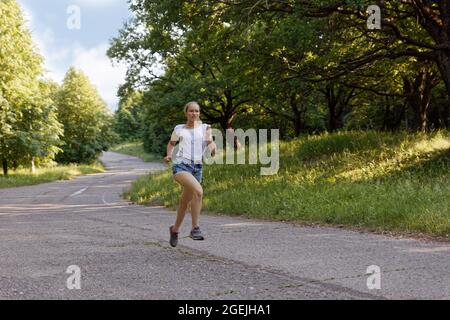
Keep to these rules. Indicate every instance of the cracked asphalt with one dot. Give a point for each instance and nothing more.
(122, 250)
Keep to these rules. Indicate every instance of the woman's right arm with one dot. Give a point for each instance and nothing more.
(170, 147)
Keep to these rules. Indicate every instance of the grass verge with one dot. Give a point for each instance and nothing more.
(23, 177)
(371, 180)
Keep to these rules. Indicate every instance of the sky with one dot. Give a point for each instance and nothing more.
(77, 33)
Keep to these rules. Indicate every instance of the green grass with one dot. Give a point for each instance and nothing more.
(136, 149)
(23, 177)
(371, 180)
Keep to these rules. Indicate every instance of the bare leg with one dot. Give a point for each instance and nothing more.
(193, 187)
(186, 197)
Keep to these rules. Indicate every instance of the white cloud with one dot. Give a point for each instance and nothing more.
(27, 15)
(53, 56)
(59, 56)
(92, 61)
(97, 3)
(44, 39)
(97, 66)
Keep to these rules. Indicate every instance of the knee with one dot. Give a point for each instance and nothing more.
(197, 194)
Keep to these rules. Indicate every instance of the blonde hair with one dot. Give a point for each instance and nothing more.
(192, 103)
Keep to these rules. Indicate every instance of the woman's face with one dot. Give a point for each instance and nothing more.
(193, 113)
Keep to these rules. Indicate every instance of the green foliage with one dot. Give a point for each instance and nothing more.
(128, 119)
(302, 66)
(87, 122)
(161, 113)
(29, 129)
(197, 67)
(156, 137)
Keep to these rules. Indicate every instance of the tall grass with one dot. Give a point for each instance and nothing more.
(380, 181)
(23, 177)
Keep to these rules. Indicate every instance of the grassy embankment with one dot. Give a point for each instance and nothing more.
(136, 149)
(23, 177)
(370, 180)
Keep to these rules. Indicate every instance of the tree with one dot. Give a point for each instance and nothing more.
(128, 118)
(29, 130)
(306, 63)
(186, 40)
(418, 29)
(87, 122)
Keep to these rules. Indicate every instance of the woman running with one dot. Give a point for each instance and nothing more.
(193, 137)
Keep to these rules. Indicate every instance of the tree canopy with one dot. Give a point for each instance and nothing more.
(29, 129)
(301, 65)
(85, 117)
(39, 120)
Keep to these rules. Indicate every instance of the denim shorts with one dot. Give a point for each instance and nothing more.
(195, 169)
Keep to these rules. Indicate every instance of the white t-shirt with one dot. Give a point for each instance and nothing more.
(192, 142)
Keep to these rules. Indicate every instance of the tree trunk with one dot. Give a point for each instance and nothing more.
(418, 95)
(33, 167)
(226, 124)
(443, 62)
(386, 115)
(297, 127)
(337, 100)
(5, 167)
(332, 105)
(297, 118)
(399, 118)
(424, 106)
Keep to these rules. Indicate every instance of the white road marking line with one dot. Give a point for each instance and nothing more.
(429, 250)
(79, 192)
(104, 201)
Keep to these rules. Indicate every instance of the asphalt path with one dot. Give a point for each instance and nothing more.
(80, 239)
